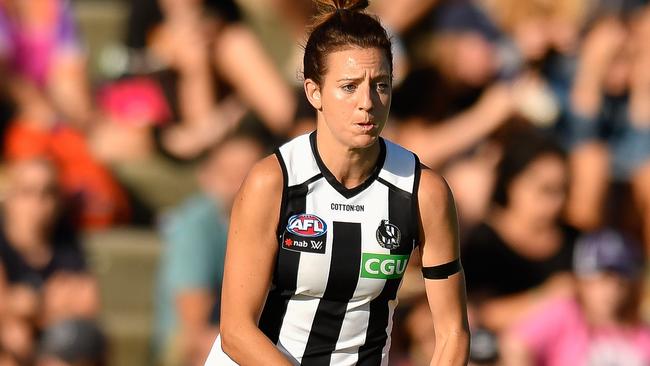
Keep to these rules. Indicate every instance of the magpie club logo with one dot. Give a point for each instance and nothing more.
(388, 235)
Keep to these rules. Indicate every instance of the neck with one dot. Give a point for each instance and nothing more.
(31, 245)
(350, 166)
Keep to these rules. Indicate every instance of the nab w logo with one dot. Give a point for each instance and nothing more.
(305, 233)
(388, 235)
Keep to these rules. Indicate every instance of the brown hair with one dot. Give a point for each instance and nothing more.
(339, 25)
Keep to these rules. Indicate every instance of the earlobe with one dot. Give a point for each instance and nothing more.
(312, 90)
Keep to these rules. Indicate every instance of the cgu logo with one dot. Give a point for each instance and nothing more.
(384, 266)
(307, 225)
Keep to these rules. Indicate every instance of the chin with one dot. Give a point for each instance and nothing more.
(363, 141)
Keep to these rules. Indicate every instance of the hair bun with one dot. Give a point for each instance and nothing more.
(331, 6)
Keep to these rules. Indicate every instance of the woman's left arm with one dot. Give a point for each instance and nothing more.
(439, 246)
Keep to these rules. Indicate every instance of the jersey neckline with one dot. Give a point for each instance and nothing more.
(338, 186)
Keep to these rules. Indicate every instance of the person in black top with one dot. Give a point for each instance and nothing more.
(43, 275)
(522, 253)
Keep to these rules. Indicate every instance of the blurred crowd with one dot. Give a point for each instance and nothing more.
(536, 112)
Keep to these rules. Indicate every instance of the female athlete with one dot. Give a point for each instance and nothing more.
(322, 230)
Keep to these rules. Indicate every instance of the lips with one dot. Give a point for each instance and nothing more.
(366, 126)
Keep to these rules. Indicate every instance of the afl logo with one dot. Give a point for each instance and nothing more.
(388, 235)
(306, 225)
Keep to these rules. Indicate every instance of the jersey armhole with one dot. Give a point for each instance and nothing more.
(415, 205)
(283, 199)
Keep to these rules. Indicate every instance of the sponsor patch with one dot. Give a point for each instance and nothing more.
(383, 266)
(305, 233)
(388, 235)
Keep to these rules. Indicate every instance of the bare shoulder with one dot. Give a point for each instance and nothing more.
(264, 180)
(433, 192)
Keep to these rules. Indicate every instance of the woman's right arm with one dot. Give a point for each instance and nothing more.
(250, 258)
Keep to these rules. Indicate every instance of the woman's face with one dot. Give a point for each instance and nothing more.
(539, 192)
(602, 295)
(474, 59)
(32, 199)
(354, 97)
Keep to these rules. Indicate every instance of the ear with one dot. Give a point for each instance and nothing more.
(312, 90)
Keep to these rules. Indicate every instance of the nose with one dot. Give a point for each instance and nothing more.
(365, 97)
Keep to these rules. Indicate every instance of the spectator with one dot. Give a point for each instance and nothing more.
(42, 63)
(196, 41)
(521, 253)
(607, 123)
(450, 103)
(191, 269)
(42, 71)
(601, 325)
(43, 275)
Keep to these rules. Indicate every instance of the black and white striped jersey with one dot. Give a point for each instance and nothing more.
(342, 253)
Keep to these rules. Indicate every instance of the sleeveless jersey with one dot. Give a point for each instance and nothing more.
(341, 256)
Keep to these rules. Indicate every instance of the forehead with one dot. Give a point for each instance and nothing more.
(356, 62)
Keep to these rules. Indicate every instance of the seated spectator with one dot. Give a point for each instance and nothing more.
(600, 325)
(42, 63)
(201, 52)
(607, 126)
(191, 268)
(521, 253)
(42, 72)
(43, 275)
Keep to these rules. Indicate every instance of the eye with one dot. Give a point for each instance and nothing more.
(349, 88)
(383, 87)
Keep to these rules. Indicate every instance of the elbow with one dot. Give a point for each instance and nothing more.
(457, 339)
(229, 340)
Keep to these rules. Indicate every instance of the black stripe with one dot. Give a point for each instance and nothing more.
(415, 205)
(399, 203)
(285, 275)
(341, 283)
(285, 185)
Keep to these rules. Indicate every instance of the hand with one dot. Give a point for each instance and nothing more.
(603, 43)
(69, 294)
(496, 103)
(183, 44)
(558, 285)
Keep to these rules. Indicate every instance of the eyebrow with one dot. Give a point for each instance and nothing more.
(381, 76)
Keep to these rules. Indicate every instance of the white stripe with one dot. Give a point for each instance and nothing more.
(392, 304)
(299, 160)
(399, 167)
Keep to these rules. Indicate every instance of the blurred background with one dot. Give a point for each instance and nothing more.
(127, 127)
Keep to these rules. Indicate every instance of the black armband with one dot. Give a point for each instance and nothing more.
(442, 271)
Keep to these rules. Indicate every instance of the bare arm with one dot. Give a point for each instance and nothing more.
(501, 313)
(400, 15)
(462, 131)
(69, 88)
(237, 51)
(439, 245)
(250, 257)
